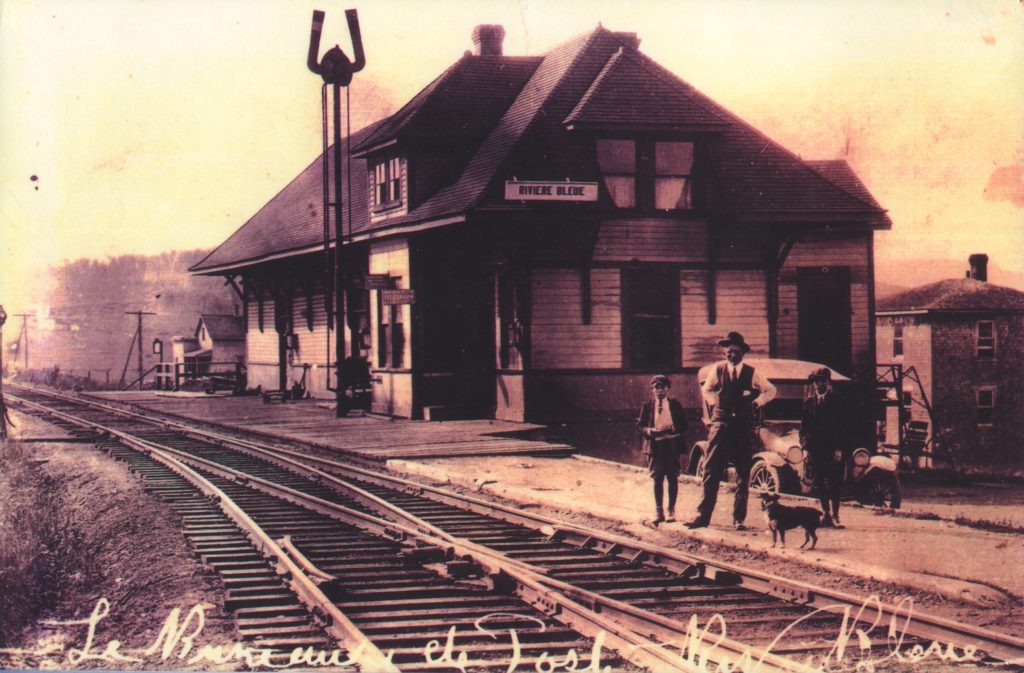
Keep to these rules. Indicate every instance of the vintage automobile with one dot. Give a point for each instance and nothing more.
(779, 463)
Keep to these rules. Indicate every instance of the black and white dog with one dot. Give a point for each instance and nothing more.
(782, 518)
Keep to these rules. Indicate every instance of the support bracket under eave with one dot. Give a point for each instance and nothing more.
(586, 262)
(712, 280)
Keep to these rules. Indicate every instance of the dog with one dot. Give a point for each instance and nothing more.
(782, 518)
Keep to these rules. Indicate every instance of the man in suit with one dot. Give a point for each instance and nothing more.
(661, 424)
(822, 434)
(736, 392)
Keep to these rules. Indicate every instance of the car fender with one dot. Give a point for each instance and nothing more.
(770, 457)
(883, 463)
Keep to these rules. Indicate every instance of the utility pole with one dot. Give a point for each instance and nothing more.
(24, 333)
(336, 70)
(137, 343)
(3, 407)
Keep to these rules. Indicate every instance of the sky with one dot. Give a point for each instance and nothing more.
(139, 126)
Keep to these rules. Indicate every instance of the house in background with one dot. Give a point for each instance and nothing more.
(964, 339)
(532, 237)
(218, 340)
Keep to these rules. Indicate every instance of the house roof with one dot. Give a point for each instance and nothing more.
(661, 101)
(527, 118)
(222, 327)
(954, 295)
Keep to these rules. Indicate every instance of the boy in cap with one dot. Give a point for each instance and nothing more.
(661, 424)
(735, 390)
(822, 434)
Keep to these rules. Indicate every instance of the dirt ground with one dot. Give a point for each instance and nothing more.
(956, 571)
(139, 564)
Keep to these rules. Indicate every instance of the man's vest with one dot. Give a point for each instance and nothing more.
(732, 403)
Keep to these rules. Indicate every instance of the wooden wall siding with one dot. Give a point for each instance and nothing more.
(860, 334)
(261, 347)
(313, 345)
(741, 308)
(651, 241)
(851, 252)
(261, 376)
(560, 340)
(390, 256)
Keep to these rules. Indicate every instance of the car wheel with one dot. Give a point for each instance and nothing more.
(764, 477)
(883, 490)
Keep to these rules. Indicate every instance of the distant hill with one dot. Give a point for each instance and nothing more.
(87, 329)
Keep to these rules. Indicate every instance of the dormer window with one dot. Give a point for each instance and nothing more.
(617, 161)
(673, 167)
(649, 175)
(387, 183)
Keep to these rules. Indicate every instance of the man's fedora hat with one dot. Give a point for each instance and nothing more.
(734, 339)
(823, 373)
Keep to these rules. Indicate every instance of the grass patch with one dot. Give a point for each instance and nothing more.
(42, 554)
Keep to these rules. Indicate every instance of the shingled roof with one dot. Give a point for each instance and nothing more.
(523, 117)
(464, 102)
(222, 327)
(955, 295)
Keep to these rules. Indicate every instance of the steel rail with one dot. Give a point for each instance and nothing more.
(586, 620)
(686, 637)
(929, 627)
(340, 627)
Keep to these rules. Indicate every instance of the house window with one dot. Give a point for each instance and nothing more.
(986, 339)
(986, 405)
(673, 164)
(387, 180)
(617, 161)
(897, 340)
(651, 307)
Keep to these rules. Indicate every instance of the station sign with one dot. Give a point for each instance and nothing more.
(377, 281)
(517, 190)
(392, 297)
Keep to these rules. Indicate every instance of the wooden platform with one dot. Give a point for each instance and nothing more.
(369, 437)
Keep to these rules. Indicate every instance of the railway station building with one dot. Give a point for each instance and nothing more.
(532, 237)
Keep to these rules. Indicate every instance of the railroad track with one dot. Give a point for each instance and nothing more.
(697, 607)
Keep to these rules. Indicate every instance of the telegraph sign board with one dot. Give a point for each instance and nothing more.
(391, 297)
(378, 281)
(516, 190)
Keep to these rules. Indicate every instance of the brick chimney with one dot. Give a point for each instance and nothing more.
(488, 39)
(979, 267)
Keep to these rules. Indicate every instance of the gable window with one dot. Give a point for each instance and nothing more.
(673, 165)
(645, 174)
(986, 405)
(617, 161)
(897, 340)
(651, 310)
(387, 180)
(986, 339)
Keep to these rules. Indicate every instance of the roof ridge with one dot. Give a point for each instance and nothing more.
(591, 91)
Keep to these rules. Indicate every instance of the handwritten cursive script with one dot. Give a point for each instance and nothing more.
(865, 639)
